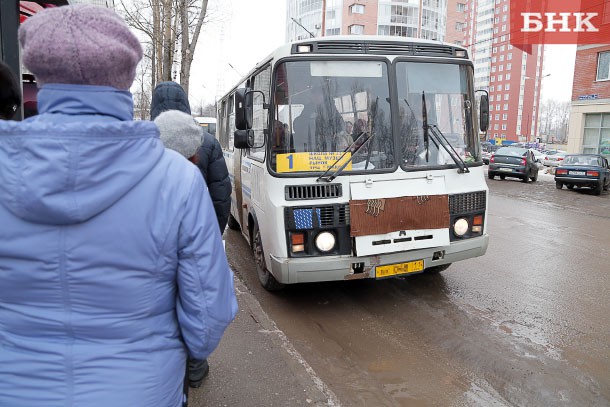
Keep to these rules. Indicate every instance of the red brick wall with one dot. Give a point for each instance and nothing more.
(453, 17)
(368, 19)
(585, 71)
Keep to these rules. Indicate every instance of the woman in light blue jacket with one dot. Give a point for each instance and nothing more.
(112, 268)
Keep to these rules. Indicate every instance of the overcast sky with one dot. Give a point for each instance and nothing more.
(243, 32)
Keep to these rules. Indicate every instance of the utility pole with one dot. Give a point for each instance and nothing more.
(323, 18)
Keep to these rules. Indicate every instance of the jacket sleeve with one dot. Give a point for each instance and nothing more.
(212, 164)
(206, 301)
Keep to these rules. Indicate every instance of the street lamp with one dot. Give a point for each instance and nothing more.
(528, 121)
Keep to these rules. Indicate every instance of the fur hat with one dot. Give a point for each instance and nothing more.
(80, 44)
(179, 132)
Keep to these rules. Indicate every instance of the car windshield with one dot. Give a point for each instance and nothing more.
(512, 151)
(581, 160)
(325, 110)
(446, 89)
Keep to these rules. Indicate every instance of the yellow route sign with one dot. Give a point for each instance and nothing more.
(315, 161)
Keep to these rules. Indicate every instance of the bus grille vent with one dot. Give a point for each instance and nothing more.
(316, 191)
(467, 203)
(380, 48)
(324, 216)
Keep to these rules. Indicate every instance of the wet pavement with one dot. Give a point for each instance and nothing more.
(526, 324)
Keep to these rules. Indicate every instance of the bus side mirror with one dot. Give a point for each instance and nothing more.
(243, 110)
(484, 113)
(243, 139)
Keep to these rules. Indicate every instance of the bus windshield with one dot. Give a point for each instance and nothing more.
(325, 110)
(447, 90)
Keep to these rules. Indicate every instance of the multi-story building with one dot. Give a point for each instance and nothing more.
(420, 19)
(511, 76)
(589, 128)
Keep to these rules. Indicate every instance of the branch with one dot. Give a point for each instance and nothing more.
(204, 8)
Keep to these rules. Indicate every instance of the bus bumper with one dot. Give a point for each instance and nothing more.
(333, 268)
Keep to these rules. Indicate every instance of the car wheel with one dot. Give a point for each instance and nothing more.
(535, 177)
(502, 177)
(598, 189)
(264, 276)
(437, 269)
(233, 224)
(491, 175)
(558, 184)
(526, 179)
(570, 186)
(607, 185)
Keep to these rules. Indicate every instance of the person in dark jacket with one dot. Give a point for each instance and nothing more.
(209, 159)
(10, 92)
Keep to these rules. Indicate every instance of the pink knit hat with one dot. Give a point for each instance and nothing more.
(80, 44)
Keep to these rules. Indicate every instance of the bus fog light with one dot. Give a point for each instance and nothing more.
(460, 227)
(325, 241)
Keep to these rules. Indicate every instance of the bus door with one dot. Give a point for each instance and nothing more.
(239, 199)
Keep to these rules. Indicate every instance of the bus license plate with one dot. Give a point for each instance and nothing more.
(399, 269)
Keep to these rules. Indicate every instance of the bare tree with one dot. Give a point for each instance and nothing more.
(169, 26)
(553, 119)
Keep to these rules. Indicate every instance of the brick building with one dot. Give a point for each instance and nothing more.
(589, 130)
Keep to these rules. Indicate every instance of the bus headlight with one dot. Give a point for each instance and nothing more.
(325, 241)
(460, 227)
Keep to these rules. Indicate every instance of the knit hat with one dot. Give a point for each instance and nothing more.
(179, 132)
(80, 44)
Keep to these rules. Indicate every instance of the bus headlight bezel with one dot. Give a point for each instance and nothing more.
(325, 241)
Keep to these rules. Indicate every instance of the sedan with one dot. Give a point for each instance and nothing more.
(583, 170)
(553, 160)
(513, 162)
(540, 157)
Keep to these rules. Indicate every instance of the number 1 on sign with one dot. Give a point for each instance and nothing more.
(290, 164)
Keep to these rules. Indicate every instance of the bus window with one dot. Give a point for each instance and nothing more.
(333, 106)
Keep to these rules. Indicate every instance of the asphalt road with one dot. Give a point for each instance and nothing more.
(527, 324)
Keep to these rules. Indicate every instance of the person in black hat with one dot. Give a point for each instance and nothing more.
(10, 93)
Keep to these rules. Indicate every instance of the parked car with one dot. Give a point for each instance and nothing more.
(515, 162)
(583, 170)
(553, 160)
(540, 157)
(486, 155)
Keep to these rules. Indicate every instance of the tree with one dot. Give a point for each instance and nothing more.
(553, 119)
(169, 27)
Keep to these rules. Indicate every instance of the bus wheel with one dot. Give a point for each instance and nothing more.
(264, 276)
(437, 269)
(233, 224)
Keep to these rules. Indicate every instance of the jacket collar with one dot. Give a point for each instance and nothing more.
(85, 100)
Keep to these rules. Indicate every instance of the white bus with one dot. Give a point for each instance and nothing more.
(340, 170)
(208, 124)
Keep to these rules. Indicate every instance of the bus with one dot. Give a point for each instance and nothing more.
(356, 157)
(208, 124)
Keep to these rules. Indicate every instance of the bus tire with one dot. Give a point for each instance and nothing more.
(264, 276)
(233, 224)
(437, 269)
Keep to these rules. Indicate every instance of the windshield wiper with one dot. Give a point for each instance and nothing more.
(439, 139)
(424, 115)
(329, 178)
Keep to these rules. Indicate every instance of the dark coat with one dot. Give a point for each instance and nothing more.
(10, 92)
(212, 165)
(211, 162)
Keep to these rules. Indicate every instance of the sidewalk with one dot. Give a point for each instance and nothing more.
(255, 365)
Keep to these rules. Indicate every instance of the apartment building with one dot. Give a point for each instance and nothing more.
(589, 128)
(511, 76)
(419, 19)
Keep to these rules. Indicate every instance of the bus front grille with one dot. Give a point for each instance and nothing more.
(380, 48)
(315, 191)
(467, 203)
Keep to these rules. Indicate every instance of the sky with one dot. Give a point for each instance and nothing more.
(241, 33)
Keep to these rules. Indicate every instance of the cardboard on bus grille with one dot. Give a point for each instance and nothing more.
(379, 216)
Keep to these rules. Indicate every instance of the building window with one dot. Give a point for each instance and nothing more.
(333, 31)
(508, 79)
(603, 66)
(497, 117)
(507, 86)
(357, 9)
(495, 127)
(503, 126)
(459, 26)
(506, 96)
(499, 88)
(499, 78)
(461, 7)
(596, 138)
(505, 106)
(504, 116)
(356, 29)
